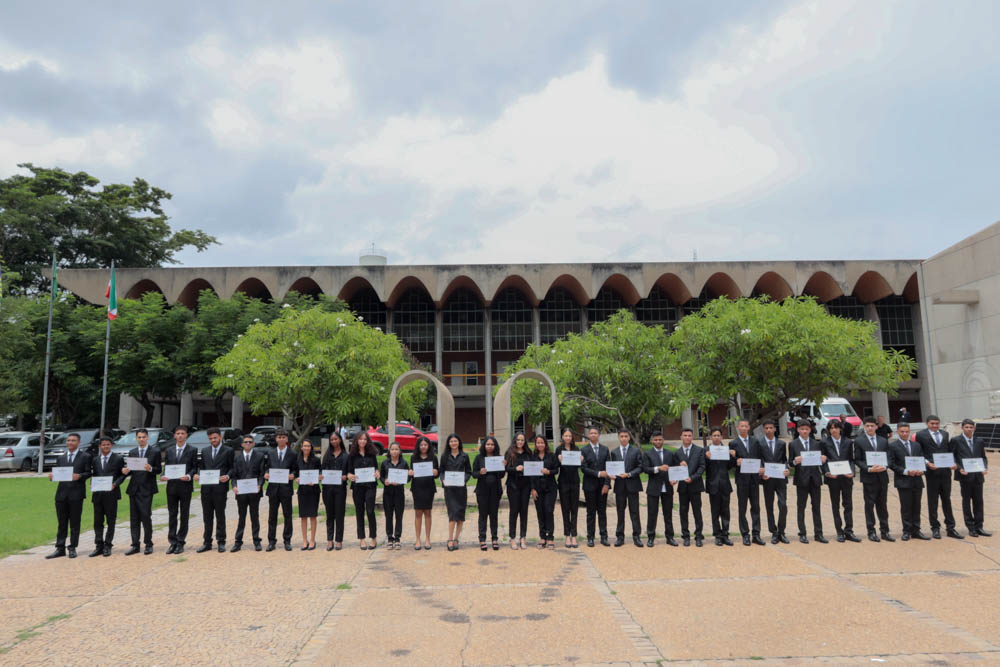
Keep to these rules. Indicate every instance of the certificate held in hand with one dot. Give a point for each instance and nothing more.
(247, 486)
(457, 477)
(813, 457)
(208, 477)
(175, 471)
(876, 459)
(774, 470)
(946, 460)
(973, 465)
(365, 475)
(571, 457)
(677, 473)
(750, 466)
(719, 452)
(333, 478)
(423, 469)
(494, 464)
(533, 468)
(840, 467)
(398, 476)
(614, 468)
(277, 475)
(308, 477)
(916, 463)
(134, 463)
(102, 483)
(62, 474)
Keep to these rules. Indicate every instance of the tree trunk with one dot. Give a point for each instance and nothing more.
(220, 414)
(148, 407)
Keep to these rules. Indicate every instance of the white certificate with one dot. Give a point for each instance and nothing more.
(423, 469)
(916, 463)
(840, 467)
(277, 475)
(973, 465)
(494, 464)
(750, 466)
(333, 478)
(812, 458)
(208, 477)
(719, 452)
(876, 459)
(774, 470)
(677, 473)
(945, 460)
(62, 474)
(398, 476)
(533, 468)
(571, 457)
(365, 475)
(308, 477)
(614, 468)
(102, 483)
(456, 477)
(136, 463)
(247, 486)
(175, 471)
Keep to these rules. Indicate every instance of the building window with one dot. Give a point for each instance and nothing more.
(697, 303)
(657, 309)
(365, 303)
(464, 373)
(604, 305)
(559, 315)
(896, 324)
(510, 323)
(847, 307)
(413, 321)
(463, 322)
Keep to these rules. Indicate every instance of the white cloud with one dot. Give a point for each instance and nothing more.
(12, 59)
(114, 146)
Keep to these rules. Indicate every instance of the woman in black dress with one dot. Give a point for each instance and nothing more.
(308, 495)
(488, 491)
(393, 496)
(456, 498)
(543, 492)
(518, 489)
(363, 455)
(423, 490)
(335, 495)
(569, 488)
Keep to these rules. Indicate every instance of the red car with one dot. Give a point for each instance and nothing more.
(406, 436)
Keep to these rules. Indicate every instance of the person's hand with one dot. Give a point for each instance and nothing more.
(435, 473)
(684, 463)
(602, 474)
(849, 476)
(236, 492)
(764, 477)
(534, 494)
(482, 471)
(604, 490)
(708, 454)
(674, 483)
(125, 470)
(823, 458)
(378, 475)
(163, 478)
(519, 468)
(623, 475)
(786, 472)
(545, 471)
(664, 468)
(964, 471)
(560, 458)
(986, 471)
(687, 481)
(50, 477)
(267, 475)
(739, 462)
(224, 478)
(954, 467)
(186, 478)
(732, 452)
(197, 477)
(409, 473)
(149, 468)
(830, 475)
(931, 466)
(798, 460)
(351, 476)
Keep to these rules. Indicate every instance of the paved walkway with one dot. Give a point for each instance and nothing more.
(928, 602)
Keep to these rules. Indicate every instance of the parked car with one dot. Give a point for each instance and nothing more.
(406, 436)
(19, 451)
(157, 438)
(230, 436)
(829, 410)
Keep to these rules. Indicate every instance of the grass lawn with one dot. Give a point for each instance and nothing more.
(28, 513)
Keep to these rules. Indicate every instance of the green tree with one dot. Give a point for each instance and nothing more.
(613, 375)
(314, 366)
(767, 357)
(87, 227)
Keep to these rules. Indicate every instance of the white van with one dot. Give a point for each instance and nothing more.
(830, 409)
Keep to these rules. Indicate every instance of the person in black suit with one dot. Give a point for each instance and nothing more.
(689, 490)
(569, 488)
(544, 491)
(933, 440)
(179, 491)
(106, 464)
(971, 447)
(423, 490)
(214, 496)
(774, 450)
(595, 485)
(909, 483)
(874, 480)
(882, 429)
(309, 494)
(627, 488)
(837, 447)
(335, 495)
(846, 429)
(393, 496)
(280, 494)
(719, 488)
(659, 490)
(518, 490)
(746, 446)
(248, 464)
(70, 496)
(808, 484)
(456, 498)
(488, 492)
(142, 487)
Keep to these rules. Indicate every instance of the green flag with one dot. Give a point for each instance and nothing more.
(112, 295)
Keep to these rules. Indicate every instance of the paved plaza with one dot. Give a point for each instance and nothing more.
(927, 602)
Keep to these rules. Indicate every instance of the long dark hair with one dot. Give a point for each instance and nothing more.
(312, 451)
(447, 446)
(369, 445)
(543, 442)
(430, 449)
(496, 447)
(572, 443)
(340, 441)
(512, 450)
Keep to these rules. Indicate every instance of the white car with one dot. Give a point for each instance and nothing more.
(829, 410)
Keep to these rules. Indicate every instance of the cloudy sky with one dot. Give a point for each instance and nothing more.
(522, 131)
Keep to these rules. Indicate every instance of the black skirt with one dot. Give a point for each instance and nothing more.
(423, 490)
(456, 498)
(309, 502)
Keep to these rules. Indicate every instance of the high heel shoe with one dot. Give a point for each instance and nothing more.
(329, 547)
(496, 546)
(482, 546)
(524, 543)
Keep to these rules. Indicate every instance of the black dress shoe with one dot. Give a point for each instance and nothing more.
(171, 548)
(271, 546)
(71, 552)
(178, 548)
(888, 538)
(236, 547)
(590, 541)
(107, 550)
(257, 546)
(756, 540)
(920, 536)
(936, 533)
(774, 539)
(99, 551)
(951, 533)
(687, 541)
(637, 542)
(671, 541)
(803, 539)
(58, 553)
(288, 546)
(698, 541)
(619, 541)
(718, 541)
(329, 547)
(203, 548)
(605, 542)
(728, 542)
(222, 547)
(148, 550)
(746, 540)
(984, 533)
(132, 550)
(873, 537)
(906, 537)
(841, 537)
(821, 539)
(783, 539)
(851, 537)
(650, 542)
(973, 533)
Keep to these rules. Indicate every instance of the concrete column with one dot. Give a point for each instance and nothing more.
(388, 320)
(583, 319)
(237, 408)
(880, 399)
(130, 412)
(783, 427)
(187, 408)
(536, 326)
(923, 363)
(488, 353)
(439, 342)
(687, 418)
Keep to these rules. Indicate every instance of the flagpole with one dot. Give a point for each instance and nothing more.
(107, 348)
(45, 387)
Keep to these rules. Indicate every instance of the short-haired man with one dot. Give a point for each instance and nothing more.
(627, 487)
(213, 496)
(909, 483)
(659, 490)
(808, 483)
(280, 494)
(971, 447)
(882, 429)
(70, 496)
(142, 487)
(874, 480)
(933, 440)
(248, 464)
(179, 490)
(837, 447)
(846, 429)
(773, 450)
(689, 490)
(593, 457)
(746, 446)
(719, 488)
(106, 464)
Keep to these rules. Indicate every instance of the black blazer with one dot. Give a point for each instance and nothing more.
(592, 467)
(144, 483)
(81, 466)
(805, 475)
(845, 452)
(633, 467)
(897, 461)
(696, 468)
(335, 462)
(751, 450)
(114, 468)
(780, 455)
(490, 482)
(569, 476)
(189, 459)
(963, 451)
(458, 463)
(930, 448)
(717, 477)
(223, 461)
(256, 468)
(424, 484)
(863, 444)
(515, 477)
(386, 464)
(545, 483)
(290, 461)
(657, 479)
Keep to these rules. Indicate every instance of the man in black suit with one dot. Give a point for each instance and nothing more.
(882, 429)
(141, 489)
(874, 480)
(627, 488)
(909, 483)
(689, 490)
(846, 430)
(248, 464)
(281, 456)
(773, 450)
(971, 447)
(808, 483)
(596, 485)
(213, 496)
(179, 490)
(933, 440)
(106, 464)
(659, 490)
(838, 447)
(70, 496)
(747, 485)
(719, 488)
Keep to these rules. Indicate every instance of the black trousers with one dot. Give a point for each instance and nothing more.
(876, 495)
(178, 513)
(776, 488)
(140, 513)
(690, 500)
(519, 499)
(251, 502)
(939, 488)
(105, 511)
(213, 511)
(364, 508)
(631, 499)
(972, 501)
(653, 504)
(545, 510)
(813, 493)
(335, 500)
(597, 507)
(393, 502)
(909, 509)
(749, 494)
(489, 509)
(569, 503)
(68, 514)
(273, 503)
(719, 505)
(841, 493)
